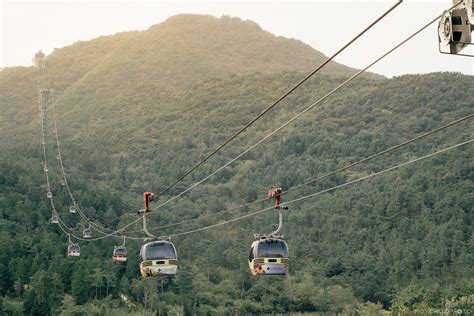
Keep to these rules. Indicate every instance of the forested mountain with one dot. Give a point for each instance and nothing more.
(135, 110)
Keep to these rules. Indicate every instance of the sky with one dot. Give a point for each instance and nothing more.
(28, 26)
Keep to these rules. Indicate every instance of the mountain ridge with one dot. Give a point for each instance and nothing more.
(166, 58)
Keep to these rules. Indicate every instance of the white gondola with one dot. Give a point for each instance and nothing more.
(269, 253)
(269, 256)
(72, 209)
(54, 218)
(73, 250)
(158, 258)
(120, 254)
(49, 195)
(87, 233)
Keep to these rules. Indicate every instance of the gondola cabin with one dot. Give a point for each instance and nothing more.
(73, 250)
(269, 256)
(72, 209)
(87, 233)
(119, 254)
(54, 219)
(158, 258)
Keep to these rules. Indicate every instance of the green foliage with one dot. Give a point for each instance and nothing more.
(12, 307)
(81, 284)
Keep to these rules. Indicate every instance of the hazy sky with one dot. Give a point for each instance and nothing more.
(27, 26)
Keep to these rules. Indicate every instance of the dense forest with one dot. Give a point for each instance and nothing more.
(135, 110)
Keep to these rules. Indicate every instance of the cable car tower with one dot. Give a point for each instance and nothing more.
(269, 253)
(157, 256)
(455, 28)
(40, 62)
(43, 94)
(43, 99)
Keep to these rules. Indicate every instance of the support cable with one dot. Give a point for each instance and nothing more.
(278, 100)
(327, 175)
(314, 104)
(301, 113)
(43, 110)
(115, 234)
(326, 190)
(97, 227)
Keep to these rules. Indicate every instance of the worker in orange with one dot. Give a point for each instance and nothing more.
(276, 194)
(147, 198)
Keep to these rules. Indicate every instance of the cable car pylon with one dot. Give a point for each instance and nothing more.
(157, 256)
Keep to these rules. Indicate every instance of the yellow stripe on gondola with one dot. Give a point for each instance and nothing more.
(271, 260)
(159, 262)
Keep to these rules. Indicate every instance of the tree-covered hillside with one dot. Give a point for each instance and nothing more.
(402, 241)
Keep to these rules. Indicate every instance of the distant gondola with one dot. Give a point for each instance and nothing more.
(87, 233)
(73, 250)
(72, 208)
(54, 219)
(158, 258)
(120, 254)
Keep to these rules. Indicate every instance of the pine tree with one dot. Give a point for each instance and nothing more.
(80, 284)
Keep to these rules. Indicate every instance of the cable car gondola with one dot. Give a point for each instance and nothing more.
(72, 208)
(269, 256)
(73, 250)
(54, 217)
(120, 254)
(158, 258)
(269, 253)
(87, 233)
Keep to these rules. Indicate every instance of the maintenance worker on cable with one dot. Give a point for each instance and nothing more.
(276, 194)
(147, 198)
